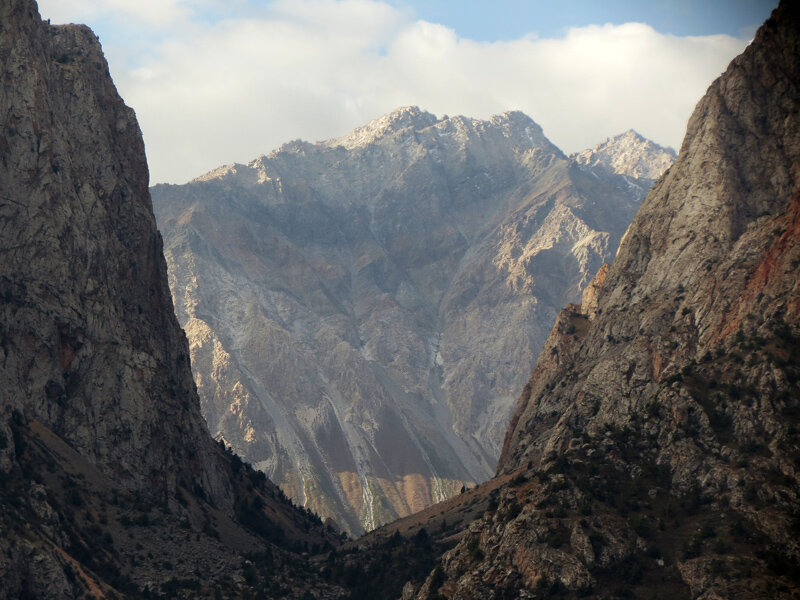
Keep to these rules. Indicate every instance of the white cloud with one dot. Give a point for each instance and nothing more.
(313, 69)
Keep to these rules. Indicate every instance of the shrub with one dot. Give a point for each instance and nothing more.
(437, 579)
(475, 551)
(518, 480)
(74, 498)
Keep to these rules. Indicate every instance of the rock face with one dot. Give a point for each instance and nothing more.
(360, 311)
(104, 456)
(655, 451)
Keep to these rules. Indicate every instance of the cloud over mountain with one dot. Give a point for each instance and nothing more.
(217, 84)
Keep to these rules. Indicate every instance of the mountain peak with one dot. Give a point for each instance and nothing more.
(408, 114)
(628, 153)
(398, 119)
(513, 116)
(629, 136)
(516, 124)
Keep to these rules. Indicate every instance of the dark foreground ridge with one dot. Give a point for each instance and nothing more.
(655, 452)
(110, 484)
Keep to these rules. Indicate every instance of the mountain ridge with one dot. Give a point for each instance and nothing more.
(374, 251)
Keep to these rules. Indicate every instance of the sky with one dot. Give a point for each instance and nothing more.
(220, 81)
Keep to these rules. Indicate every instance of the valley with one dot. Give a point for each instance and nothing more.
(359, 317)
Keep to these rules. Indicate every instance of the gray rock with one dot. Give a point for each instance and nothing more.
(361, 311)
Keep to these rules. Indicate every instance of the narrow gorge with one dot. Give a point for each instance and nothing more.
(361, 317)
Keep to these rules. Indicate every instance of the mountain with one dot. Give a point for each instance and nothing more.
(361, 312)
(655, 452)
(110, 484)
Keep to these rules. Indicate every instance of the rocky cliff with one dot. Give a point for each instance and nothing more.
(655, 451)
(361, 311)
(109, 481)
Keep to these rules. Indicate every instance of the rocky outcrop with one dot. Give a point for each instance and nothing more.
(654, 452)
(109, 481)
(361, 311)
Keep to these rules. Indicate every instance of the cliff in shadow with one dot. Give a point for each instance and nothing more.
(110, 484)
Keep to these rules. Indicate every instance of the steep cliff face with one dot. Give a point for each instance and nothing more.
(360, 311)
(655, 450)
(86, 305)
(99, 417)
